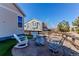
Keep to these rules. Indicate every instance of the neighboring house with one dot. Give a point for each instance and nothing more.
(33, 25)
(11, 20)
(45, 27)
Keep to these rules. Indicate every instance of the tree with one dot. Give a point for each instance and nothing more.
(76, 22)
(63, 26)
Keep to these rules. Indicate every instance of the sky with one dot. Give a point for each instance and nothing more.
(50, 13)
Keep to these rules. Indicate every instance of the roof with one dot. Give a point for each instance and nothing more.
(19, 9)
(33, 20)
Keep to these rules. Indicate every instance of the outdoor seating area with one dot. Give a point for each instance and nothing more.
(40, 46)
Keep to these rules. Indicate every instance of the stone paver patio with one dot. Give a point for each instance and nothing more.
(33, 50)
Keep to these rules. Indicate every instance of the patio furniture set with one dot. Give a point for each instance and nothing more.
(53, 46)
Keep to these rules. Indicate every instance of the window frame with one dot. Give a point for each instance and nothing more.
(20, 21)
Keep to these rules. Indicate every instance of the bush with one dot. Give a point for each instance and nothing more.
(29, 36)
(77, 30)
(63, 26)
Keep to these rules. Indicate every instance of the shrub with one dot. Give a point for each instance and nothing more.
(63, 26)
(77, 30)
(29, 36)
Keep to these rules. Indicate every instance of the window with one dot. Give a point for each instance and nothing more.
(24, 25)
(19, 21)
(28, 26)
(35, 25)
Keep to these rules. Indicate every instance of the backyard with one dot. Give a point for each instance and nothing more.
(6, 46)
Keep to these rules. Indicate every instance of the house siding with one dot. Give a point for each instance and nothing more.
(30, 27)
(9, 21)
(10, 7)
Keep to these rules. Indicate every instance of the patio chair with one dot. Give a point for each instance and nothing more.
(55, 46)
(22, 41)
(40, 40)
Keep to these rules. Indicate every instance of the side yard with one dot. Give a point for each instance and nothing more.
(6, 46)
